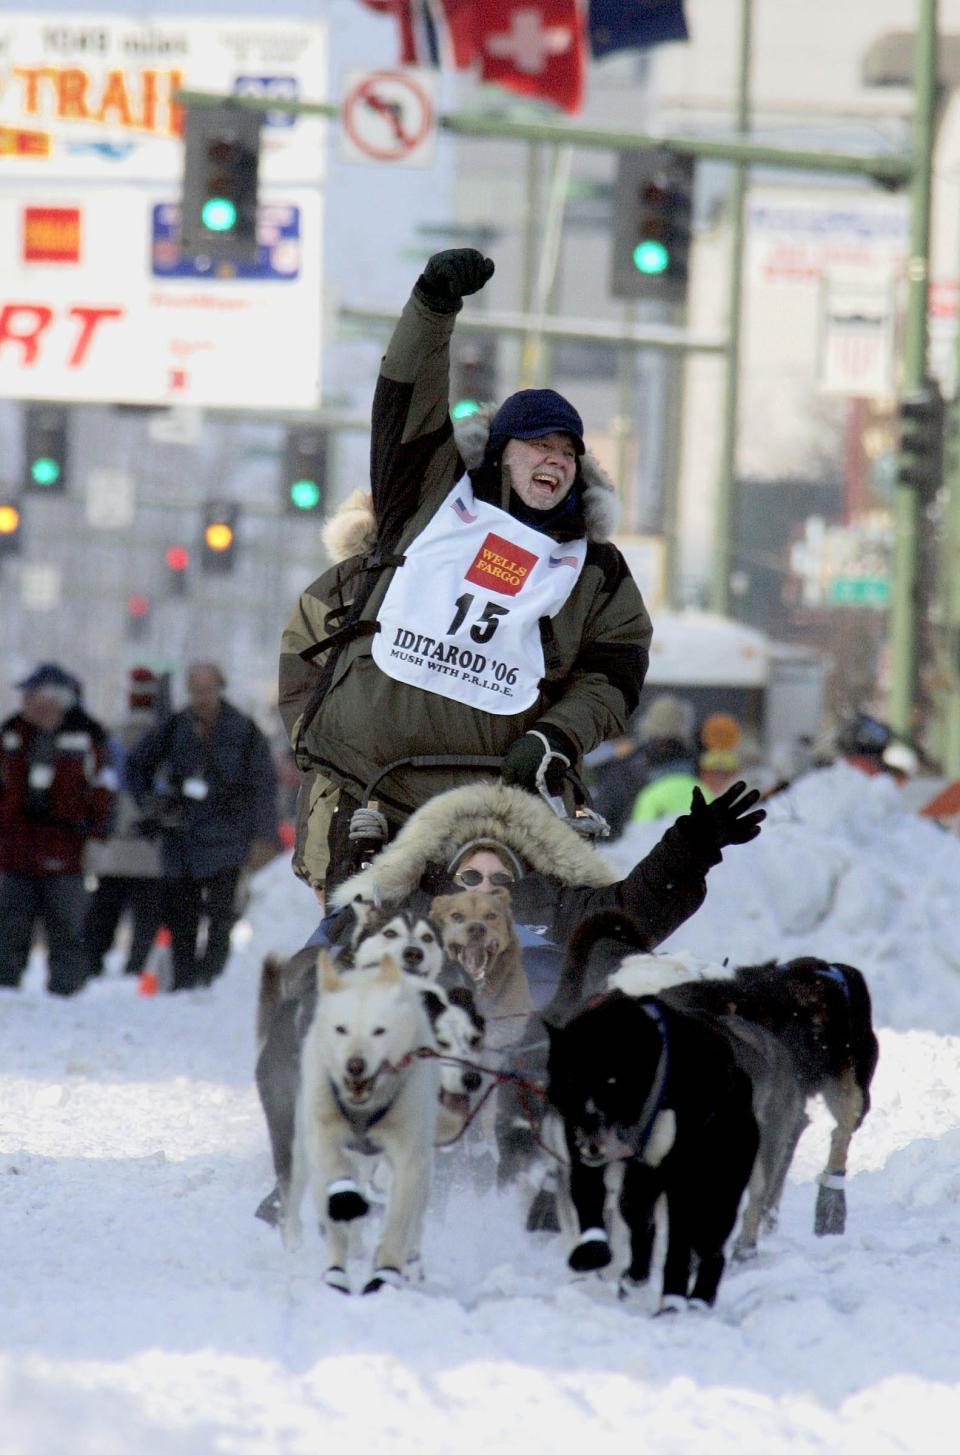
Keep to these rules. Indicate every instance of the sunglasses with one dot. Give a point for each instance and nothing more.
(470, 878)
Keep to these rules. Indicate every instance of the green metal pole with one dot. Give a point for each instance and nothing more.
(949, 569)
(904, 626)
(882, 166)
(723, 510)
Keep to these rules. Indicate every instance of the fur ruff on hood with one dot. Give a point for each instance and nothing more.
(440, 827)
(351, 530)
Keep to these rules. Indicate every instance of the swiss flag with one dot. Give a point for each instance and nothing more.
(535, 47)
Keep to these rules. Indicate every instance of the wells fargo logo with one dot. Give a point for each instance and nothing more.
(51, 234)
(499, 565)
(17, 141)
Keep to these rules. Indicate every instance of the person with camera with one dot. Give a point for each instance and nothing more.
(57, 789)
(127, 865)
(206, 786)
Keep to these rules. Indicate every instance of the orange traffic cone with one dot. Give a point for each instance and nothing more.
(155, 970)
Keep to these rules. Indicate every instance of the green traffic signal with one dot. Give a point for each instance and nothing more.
(45, 470)
(464, 408)
(650, 257)
(305, 494)
(218, 214)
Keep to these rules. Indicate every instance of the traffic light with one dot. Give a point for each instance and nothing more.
(922, 421)
(138, 617)
(10, 527)
(218, 547)
(473, 374)
(45, 428)
(304, 482)
(218, 203)
(177, 559)
(652, 220)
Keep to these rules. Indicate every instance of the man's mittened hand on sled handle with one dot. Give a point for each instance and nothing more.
(727, 820)
(523, 758)
(449, 276)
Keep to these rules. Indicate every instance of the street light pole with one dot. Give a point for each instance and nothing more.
(904, 623)
(723, 511)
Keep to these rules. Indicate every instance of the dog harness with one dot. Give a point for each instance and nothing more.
(830, 972)
(637, 1136)
(360, 1123)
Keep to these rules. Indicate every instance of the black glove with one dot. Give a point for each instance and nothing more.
(523, 758)
(450, 275)
(727, 820)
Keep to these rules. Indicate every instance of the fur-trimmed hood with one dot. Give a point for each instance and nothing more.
(477, 811)
(351, 530)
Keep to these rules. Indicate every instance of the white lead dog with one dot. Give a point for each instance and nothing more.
(364, 1092)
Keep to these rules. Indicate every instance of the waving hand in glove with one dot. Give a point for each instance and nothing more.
(729, 819)
(449, 276)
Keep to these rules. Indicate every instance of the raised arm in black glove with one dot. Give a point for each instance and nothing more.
(449, 276)
(727, 820)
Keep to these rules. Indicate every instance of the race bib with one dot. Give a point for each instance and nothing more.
(461, 616)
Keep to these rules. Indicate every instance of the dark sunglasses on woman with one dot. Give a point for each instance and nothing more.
(470, 878)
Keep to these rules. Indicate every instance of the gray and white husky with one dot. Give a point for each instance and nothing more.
(363, 1091)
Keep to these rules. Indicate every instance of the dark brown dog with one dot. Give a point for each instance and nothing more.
(477, 932)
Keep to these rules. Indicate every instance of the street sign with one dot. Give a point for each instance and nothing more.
(859, 591)
(41, 586)
(389, 116)
(91, 96)
(857, 335)
(111, 498)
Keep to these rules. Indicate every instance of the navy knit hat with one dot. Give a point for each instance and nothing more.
(532, 413)
(49, 674)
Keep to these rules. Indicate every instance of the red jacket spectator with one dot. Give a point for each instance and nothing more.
(56, 785)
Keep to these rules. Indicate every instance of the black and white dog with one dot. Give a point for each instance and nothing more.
(638, 1082)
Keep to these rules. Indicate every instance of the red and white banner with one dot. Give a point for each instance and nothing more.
(87, 315)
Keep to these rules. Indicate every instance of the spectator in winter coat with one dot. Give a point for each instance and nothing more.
(487, 612)
(56, 792)
(207, 778)
(670, 760)
(127, 866)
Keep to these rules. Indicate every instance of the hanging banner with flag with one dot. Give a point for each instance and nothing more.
(617, 25)
(536, 49)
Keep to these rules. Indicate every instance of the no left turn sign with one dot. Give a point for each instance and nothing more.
(389, 116)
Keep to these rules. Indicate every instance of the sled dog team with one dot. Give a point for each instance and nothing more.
(635, 1083)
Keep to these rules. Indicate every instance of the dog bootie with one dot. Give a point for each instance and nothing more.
(543, 1216)
(592, 1252)
(345, 1201)
(337, 1278)
(384, 1277)
(269, 1209)
(831, 1212)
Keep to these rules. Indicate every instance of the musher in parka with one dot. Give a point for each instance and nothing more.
(492, 617)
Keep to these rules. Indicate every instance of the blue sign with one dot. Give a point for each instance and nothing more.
(270, 88)
(278, 248)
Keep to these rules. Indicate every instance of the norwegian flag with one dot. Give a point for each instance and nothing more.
(535, 47)
(432, 32)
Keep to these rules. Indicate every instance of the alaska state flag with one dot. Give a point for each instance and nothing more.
(617, 25)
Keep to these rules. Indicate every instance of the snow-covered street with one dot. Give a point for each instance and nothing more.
(145, 1310)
